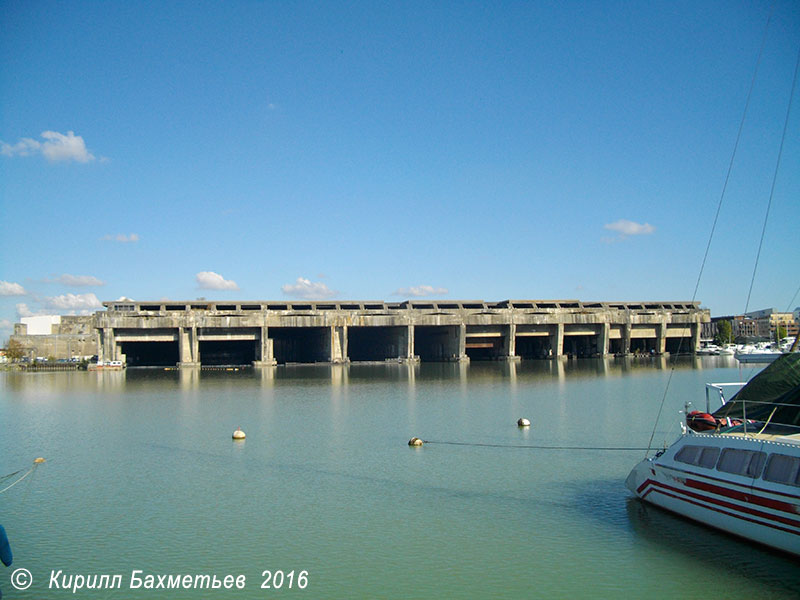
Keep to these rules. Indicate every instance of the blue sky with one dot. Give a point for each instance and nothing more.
(389, 150)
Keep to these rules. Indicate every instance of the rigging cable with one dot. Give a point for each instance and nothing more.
(716, 216)
(789, 308)
(774, 179)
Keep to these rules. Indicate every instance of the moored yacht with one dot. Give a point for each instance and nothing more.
(762, 353)
(742, 474)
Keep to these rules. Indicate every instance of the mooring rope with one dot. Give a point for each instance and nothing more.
(36, 463)
(4, 477)
(535, 447)
(31, 470)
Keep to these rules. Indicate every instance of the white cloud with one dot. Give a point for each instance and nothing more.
(308, 290)
(79, 280)
(56, 147)
(72, 302)
(65, 147)
(24, 147)
(626, 228)
(208, 280)
(418, 291)
(8, 288)
(121, 237)
(24, 311)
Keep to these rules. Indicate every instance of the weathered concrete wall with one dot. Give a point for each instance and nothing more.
(436, 330)
(73, 336)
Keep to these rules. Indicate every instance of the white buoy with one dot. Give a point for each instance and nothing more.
(238, 434)
(415, 441)
(523, 422)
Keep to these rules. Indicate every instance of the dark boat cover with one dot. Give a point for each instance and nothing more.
(776, 388)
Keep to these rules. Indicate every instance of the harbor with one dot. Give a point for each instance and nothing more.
(400, 300)
(325, 481)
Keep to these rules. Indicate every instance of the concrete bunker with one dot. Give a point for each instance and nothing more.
(486, 343)
(436, 342)
(301, 344)
(582, 341)
(534, 341)
(644, 339)
(679, 345)
(227, 352)
(150, 354)
(533, 346)
(679, 339)
(366, 344)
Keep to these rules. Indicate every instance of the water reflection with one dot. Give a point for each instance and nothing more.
(731, 556)
(515, 372)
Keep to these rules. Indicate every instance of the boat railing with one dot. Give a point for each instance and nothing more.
(720, 390)
(760, 426)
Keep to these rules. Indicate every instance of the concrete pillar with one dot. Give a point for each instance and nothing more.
(265, 354)
(557, 340)
(407, 341)
(109, 346)
(604, 339)
(510, 343)
(461, 355)
(338, 345)
(695, 337)
(99, 342)
(188, 347)
(626, 339)
(661, 337)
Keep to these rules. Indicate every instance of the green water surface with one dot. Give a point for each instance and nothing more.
(142, 474)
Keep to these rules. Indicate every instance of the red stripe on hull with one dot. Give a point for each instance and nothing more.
(727, 482)
(697, 499)
(743, 496)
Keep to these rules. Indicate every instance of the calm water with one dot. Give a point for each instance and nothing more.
(142, 473)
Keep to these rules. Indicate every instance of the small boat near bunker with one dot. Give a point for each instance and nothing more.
(108, 365)
(740, 472)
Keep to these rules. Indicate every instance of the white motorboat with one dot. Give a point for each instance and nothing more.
(708, 350)
(758, 354)
(737, 469)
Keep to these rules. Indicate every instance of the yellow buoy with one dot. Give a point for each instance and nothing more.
(238, 434)
(523, 422)
(415, 441)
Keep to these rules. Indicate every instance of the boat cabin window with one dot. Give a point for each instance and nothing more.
(702, 456)
(783, 469)
(741, 462)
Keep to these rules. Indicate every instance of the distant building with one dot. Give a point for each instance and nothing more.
(769, 321)
(711, 329)
(762, 324)
(56, 336)
(39, 325)
(744, 327)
